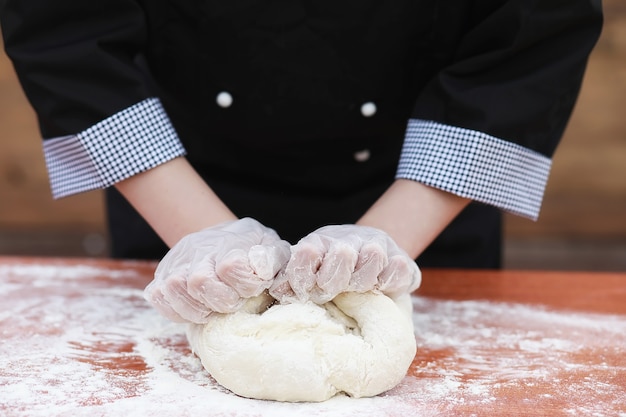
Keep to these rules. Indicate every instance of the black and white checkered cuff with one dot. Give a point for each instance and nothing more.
(475, 165)
(134, 140)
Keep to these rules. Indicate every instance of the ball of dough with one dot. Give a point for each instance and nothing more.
(358, 344)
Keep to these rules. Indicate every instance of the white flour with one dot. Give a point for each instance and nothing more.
(74, 343)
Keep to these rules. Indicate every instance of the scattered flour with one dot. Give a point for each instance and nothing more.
(81, 341)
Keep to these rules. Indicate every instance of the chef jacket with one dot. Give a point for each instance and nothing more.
(301, 113)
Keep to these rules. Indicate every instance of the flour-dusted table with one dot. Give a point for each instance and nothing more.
(77, 338)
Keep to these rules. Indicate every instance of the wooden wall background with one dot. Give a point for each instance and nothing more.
(583, 218)
(582, 223)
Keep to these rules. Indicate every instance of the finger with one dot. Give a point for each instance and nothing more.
(267, 260)
(175, 294)
(416, 278)
(204, 285)
(234, 269)
(154, 295)
(281, 290)
(371, 262)
(302, 268)
(335, 271)
(399, 276)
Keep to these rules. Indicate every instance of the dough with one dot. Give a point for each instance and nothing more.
(359, 344)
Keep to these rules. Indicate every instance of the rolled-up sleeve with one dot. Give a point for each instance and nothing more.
(129, 142)
(488, 123)
(474, 165)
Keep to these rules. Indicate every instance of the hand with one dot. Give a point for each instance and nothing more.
(216, 269)
(344, 258)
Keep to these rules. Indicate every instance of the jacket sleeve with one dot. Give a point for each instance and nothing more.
(487, 124)
(79, 65)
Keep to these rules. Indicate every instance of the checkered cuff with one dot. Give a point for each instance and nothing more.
(129, 142)
(475, 165)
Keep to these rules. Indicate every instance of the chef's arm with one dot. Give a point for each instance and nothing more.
(486, 126)
(174, 200)
(413, 214)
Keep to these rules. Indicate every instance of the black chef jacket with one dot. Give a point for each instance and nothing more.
(284, 151)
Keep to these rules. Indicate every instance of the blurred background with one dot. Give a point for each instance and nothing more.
(582, 223)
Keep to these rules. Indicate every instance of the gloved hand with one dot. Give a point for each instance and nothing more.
(216, 269)
(344, 258)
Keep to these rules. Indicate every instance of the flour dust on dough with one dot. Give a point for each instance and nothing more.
(361, 344)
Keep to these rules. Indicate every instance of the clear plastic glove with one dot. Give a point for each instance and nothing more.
(216, 269)
(345, 258)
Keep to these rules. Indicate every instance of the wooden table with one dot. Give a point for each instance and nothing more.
(77, 338)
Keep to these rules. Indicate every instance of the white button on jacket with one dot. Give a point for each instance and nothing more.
(368, 109)
(362, 156)
(224, 99)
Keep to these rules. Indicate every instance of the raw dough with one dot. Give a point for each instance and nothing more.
(359, 344)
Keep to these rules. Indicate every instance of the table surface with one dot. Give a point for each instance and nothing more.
(79, 339)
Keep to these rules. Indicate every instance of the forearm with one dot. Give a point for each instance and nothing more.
(413, 214)
(174, 200)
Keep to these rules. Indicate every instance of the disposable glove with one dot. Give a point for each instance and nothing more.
(345, 258)
(216, 270)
